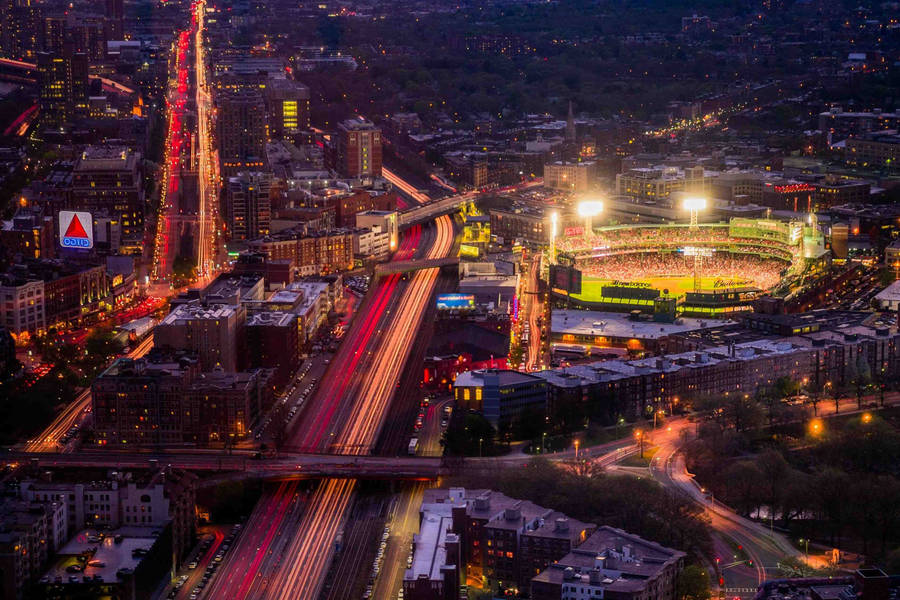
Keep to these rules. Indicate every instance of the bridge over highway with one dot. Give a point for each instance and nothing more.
(432, 210)
(282, 465)
(403, 266)
(444, 206)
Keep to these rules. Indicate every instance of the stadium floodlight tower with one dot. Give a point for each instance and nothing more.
(588, 209)
(554, 219)
(694, 204)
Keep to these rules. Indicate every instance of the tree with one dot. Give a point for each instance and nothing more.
(692, 584)
(743, 482)
(184, 270)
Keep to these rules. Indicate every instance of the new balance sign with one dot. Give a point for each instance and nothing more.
(76, 229)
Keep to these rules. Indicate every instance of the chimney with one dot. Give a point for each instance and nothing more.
(596, 576)
(562, 524)
(568, 573)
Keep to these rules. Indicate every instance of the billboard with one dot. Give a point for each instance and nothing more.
(567, 279)
(76, 230)
(455, 301)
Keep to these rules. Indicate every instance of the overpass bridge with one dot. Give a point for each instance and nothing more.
(404, 266)
(235, 466)
(428, 212)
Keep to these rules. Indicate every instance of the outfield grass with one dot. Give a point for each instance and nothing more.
(591, 288)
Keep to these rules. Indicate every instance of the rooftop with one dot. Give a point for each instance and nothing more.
(504, 378)
(582, 322)
(106, 552)
(613, 560)
(184, 313)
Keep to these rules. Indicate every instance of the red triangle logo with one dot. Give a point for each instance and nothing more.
(75, 229)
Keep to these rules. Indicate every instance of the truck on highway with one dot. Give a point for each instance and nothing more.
(413, 446)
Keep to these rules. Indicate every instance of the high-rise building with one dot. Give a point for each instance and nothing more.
(242, 131)
(248, 205)
(107, 180)
(288, 104)
(115, 15)
(357, 151)
(64, 86)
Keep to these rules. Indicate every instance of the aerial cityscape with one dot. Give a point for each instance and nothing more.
(426, 300)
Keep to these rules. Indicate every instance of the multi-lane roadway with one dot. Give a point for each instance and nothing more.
(345, 416)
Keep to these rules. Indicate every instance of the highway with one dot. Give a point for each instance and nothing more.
(345, 415)
(533, 309)
(208, 246)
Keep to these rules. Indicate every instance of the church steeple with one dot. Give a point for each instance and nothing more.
(570, 124)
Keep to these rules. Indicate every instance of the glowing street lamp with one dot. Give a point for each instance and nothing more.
(694, 204)
(554, 220)
(588, 209)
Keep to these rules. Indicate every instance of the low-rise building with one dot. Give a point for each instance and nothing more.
(163, 401)
(501, 396)
(26, 530)
(485, 536)
(611, 564)
(38, 294)
(213, 332)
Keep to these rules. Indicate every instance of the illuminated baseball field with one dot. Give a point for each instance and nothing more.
(591, 288)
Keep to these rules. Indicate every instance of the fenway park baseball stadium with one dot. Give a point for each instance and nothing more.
(692, 269)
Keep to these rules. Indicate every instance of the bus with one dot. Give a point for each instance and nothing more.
(413, 446)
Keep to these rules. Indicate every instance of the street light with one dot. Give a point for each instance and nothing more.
(694, 204)
(588, 209)
(576, 450)
(806, 542)
(554, 220)
(640, 436)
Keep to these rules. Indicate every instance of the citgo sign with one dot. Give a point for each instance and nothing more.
(76, 230)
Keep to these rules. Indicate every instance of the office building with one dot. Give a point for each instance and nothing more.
(107, 180)
(659, 182)
(501, 396)
(248, 205)
(347, 206)
(288, 106)
(843, 124)
(357, 151)
(242, 131)
(576, 178)
(63, 80)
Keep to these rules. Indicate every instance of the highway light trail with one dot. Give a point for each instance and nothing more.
(346, 417)
(311, 550)
(405, 187)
